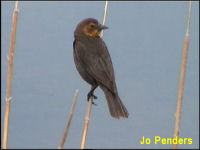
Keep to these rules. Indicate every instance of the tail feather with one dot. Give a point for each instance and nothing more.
(115, 105)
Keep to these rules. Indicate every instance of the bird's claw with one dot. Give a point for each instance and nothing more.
(91, 95)
(94, 103)
(94, 97)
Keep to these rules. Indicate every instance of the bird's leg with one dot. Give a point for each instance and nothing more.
(93, 87)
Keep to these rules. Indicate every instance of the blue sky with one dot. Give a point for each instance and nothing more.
(145, 41)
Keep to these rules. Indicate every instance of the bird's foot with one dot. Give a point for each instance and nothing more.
(91, 95)
(94, 103)
(94, 97)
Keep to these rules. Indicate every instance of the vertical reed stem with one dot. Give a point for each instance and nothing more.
(68, 121)
(104, 17)
(87, 116)
(87, 119)
(9, 76)
(182, 79)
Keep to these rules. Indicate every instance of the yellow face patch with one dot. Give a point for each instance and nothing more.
(93, 33)
(88, 30)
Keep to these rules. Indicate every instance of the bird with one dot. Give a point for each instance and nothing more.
(94, 64)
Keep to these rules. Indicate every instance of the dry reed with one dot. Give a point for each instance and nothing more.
(104, 17)
(87, 116)
(9, 76)
(68, 121)
(182, 79)
(87, 119)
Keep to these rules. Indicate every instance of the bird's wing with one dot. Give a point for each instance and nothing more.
(79, 58)
(96, 62)
(101, 67)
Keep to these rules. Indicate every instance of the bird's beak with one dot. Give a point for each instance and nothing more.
(102, 27)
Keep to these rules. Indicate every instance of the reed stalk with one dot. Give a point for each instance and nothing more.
(68, 121)
(182, 79)
(9, 76)
(89, 107)
(104, 17)
(87, 119)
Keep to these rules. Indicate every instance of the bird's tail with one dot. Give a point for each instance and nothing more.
(115, 105)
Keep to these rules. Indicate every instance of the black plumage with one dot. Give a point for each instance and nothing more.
(94, 64)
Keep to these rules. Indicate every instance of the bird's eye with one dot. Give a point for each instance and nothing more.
(92, 26)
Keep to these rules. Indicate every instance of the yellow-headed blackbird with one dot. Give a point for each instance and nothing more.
(94, 64)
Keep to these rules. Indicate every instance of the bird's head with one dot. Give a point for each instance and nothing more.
(90, 27)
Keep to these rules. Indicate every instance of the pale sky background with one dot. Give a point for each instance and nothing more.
(145, 41)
